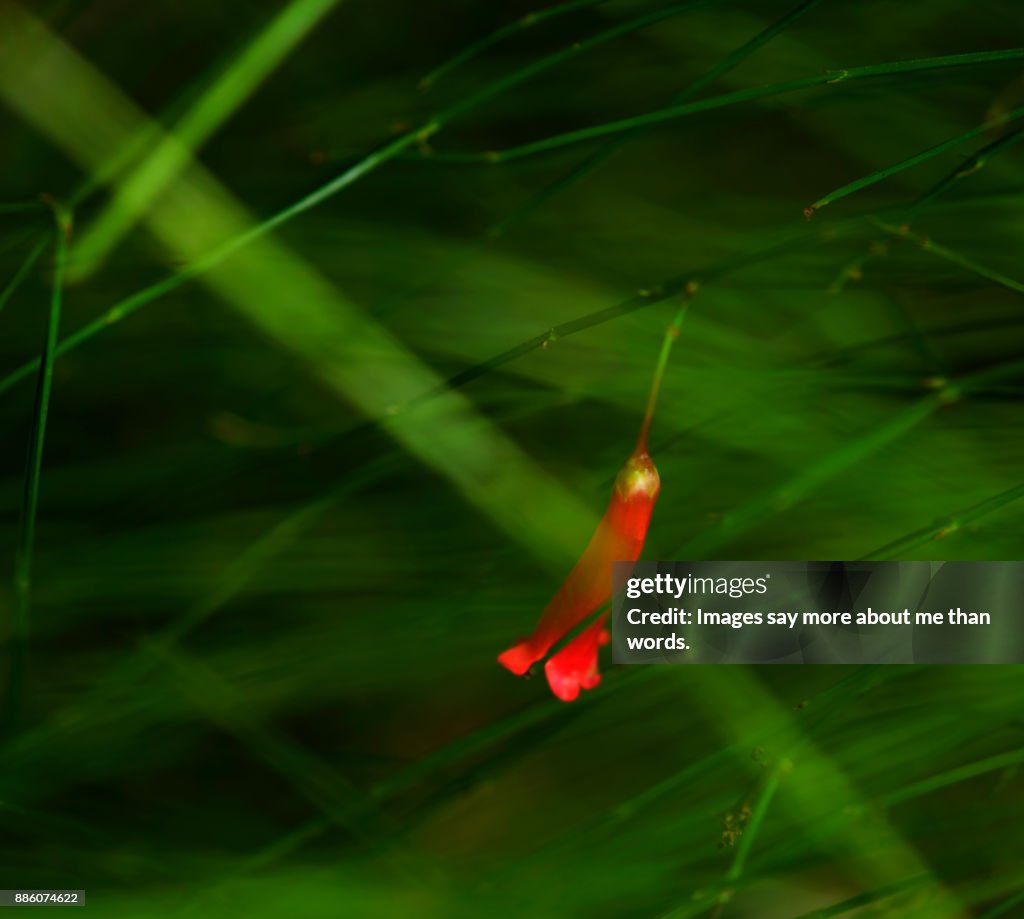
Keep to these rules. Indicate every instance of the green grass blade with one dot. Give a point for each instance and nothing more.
(972, 165)
(609, 149)
(523, 24)
(911, 161)
(22, 207)
(671, 113)
(364, 166)
(1003, 909)
(954, 776)
(757, 816)
(26, 266)
(239, 80)
(946, 526)
(30, 501)
(778, 499)
(927, 244)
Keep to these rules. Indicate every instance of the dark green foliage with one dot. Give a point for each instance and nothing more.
(261, 677)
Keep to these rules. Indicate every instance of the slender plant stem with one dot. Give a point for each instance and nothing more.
(22, 272)
(522, 24)
(672, 112)
(927, 244)
(942, 528)
(757, 815)
(916, 159)
(671, 334)
(22, 207)
(954, 776)
(970, 166)
(830, 465)
(1003, 908)
(610, 148)
(399, 144)
(30, 501)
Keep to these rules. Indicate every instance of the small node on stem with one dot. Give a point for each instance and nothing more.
(949, 528)
(971, 168)
(427, 131)
(840, 75)
(809, 211)
(65, 222)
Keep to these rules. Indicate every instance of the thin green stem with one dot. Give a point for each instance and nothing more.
(867, 898)
(946, 526)
(22, 207)
(636, 24)
(970, 166)
(955, 776)
(1003, 909)
(927, 244)
(610, 148)
(643, 299)
(361, 168)
(30, 501)
(271, 45)
(921, 157)
(26, 266)
(826, 468)
(522, 24)
(398, 145)
(671, 334)
(671, 113)
(757, 815)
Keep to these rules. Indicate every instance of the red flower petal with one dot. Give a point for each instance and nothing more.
(575, 666)
(619, 538)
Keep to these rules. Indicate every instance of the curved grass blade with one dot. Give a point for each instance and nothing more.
(30, 501)
(921, 157)
(609, 149)
(522, 24)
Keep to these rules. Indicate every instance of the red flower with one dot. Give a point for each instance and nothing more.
(619, 538)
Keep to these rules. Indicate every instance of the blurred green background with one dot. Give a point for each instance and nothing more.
(270, 582)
